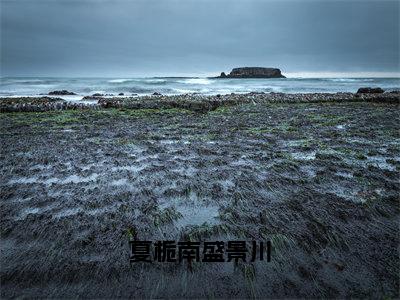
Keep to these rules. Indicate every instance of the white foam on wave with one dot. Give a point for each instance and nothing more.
(71, 98)
(155, 80)
(119, 80)
(195, 81)
(184, 91)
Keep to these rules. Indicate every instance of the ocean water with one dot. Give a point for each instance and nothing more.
(31, 86)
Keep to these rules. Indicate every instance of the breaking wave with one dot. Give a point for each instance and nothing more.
(119, 80)
(185, 85)
(196, 81)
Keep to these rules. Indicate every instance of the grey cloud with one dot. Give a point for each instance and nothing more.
(107, 38)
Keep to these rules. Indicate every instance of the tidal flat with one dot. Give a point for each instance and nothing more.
(318, 180)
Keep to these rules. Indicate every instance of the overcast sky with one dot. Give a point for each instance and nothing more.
(187, 37)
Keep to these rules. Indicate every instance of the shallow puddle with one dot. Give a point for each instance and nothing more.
(197, 215)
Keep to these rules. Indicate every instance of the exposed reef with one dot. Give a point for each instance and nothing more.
(192, 102)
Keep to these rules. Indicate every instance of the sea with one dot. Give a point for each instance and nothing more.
(35, 86)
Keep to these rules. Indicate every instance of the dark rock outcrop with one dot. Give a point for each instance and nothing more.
(61, 93)
(253, 72)
(369, 90)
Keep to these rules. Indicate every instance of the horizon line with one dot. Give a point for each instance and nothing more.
(289, 75)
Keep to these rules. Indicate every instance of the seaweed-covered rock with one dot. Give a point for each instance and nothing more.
(369, 90)
(61, 93)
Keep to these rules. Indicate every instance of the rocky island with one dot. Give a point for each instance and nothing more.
(253, 72)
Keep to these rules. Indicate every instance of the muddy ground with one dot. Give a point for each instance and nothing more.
(319, 180)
